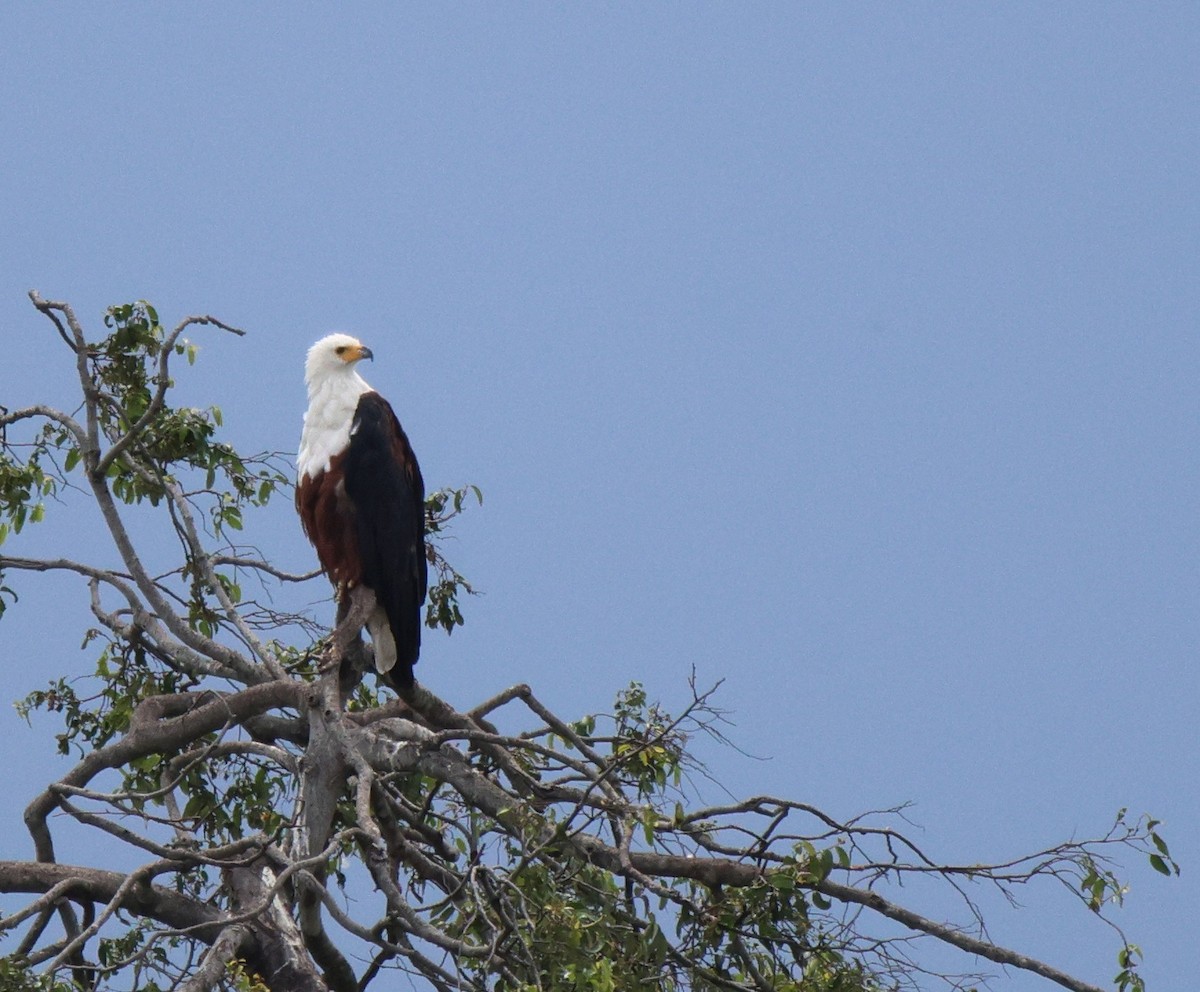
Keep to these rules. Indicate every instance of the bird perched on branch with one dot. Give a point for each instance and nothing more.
(361, 500)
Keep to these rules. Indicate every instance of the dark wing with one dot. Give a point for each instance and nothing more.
(384, 484)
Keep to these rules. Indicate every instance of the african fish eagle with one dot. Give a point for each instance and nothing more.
(362, 501)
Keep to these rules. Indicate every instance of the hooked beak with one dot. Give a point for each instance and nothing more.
(365, 352)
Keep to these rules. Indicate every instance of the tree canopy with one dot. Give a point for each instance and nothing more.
(295, 829)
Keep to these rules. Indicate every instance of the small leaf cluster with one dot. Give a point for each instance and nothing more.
(227, 798)
(27, 478)
(442, 608)
(1160, 858)
(647, 747)
(130, 367)
(578, 935)
(125, 675)
(1100, 885)
(770, 928)
(136, 948)
(243, 980)
(1128, 979)
(17, 976)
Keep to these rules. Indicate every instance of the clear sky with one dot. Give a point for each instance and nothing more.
(845, 352)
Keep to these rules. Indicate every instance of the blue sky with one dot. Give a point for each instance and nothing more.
(845, 352)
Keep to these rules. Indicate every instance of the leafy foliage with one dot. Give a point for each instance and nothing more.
(26, 480)
(16, 976)
(441, 507)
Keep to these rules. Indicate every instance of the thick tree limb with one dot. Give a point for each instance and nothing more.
(80, 883)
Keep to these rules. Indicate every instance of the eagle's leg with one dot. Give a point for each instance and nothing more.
(347, 649)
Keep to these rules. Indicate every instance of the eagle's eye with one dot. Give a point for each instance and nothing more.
(341, 348)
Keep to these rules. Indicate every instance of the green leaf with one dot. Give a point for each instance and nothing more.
(1159, 865)
(6, 591)
(784, 881)
(1126, 955)
(649, 821)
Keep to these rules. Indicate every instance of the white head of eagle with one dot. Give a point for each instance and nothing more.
(361, 500)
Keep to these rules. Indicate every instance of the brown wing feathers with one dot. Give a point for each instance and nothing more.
(328, 522)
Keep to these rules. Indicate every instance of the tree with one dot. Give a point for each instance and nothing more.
(296, 831)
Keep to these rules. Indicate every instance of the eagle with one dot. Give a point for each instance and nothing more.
(361, 500)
